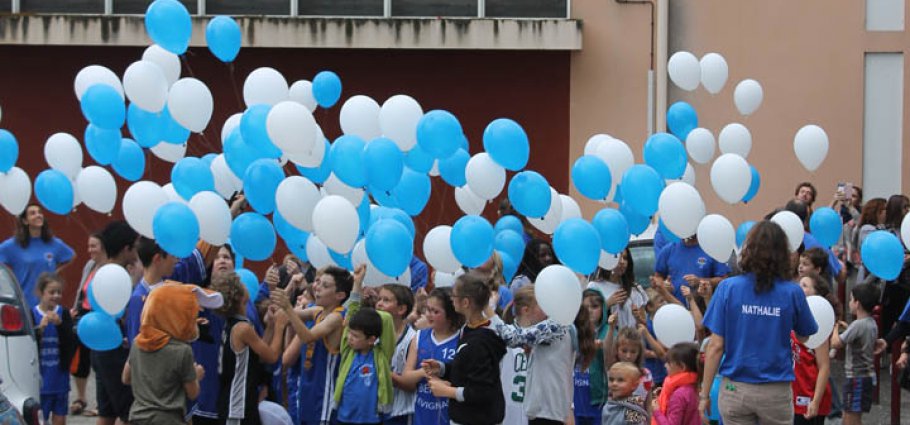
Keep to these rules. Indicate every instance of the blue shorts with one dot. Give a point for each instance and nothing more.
(54, 403)
(858, 394)
(397, 420)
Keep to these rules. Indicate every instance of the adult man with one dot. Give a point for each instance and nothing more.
(685, 263)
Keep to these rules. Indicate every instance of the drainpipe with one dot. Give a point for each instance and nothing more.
(657, 71)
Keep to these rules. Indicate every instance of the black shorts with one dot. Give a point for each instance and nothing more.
(114, 398)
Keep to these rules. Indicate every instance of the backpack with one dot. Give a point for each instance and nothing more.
(614, 412)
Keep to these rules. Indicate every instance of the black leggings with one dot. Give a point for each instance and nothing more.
(82, 361)
(541, 421)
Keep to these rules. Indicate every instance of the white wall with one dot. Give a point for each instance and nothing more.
(882, 124)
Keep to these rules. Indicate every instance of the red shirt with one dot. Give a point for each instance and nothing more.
(805, 371)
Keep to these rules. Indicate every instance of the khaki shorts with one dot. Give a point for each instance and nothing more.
(748, 404)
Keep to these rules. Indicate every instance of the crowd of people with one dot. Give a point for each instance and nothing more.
(317, 346)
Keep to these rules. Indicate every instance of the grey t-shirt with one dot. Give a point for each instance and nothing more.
(157, 380)
(859, 340)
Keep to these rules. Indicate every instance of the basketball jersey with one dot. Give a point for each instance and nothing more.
(239, 399)
(428, 409)
(402, 401)
(207, 355)
(582, 396)
(54, 379)
(317, 380)
(513, 376)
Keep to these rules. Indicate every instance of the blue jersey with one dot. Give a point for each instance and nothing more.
(317, 381)
(360, 392)
(28, 263)
(54, 378)
(206, 354)
(419, 274)
(678, 259)
(189, 269)
(293, 380)
(428, 409)
(656, 366)
(582, 396)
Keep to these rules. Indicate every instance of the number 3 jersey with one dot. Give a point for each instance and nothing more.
(430, 410)
(513, 374)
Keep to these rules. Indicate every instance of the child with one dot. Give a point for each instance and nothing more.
(654, 350)
(590, 385)
(629, 348)
(814, 260)
(624, 407)
(438, 342)
(811, 367)
(161, 369)
(677, 403)
(56, 345)
(473, 375)
(859, 342)
(242, 351)
(398, 301)
(513, 376)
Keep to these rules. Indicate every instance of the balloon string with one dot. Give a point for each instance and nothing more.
(234, 85)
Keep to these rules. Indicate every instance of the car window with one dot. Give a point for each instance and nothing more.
(643, 260)
(7, 284)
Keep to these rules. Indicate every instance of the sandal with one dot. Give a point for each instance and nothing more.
(90, 412)
(77, 407)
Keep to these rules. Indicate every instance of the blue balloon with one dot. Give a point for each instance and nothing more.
(250, 281)
(238, 154)
(464, 144)
(176, 229)
(412, 192)
(190, 176)
(383, 197)
(130, 161)
(99, 332)
(169, 25)
(208, 158)
(669, 236)
(144, 126)
(327, 89)
(103, 106)
(222, 34)
(451, 169)
(321, 173)
(883, 254)
(509, 242)
(55, 191)
(9, 150)
(666, 154)
(509, 266)
(617, 194)
(591, 176)
(418, 160)
(363, 213)
(509, 222)
(439, 133)
(507, 144)
(389, 247)
(826, 225)
(253, 236)
(342, 260)
(294, 238)
(260, 183)
(472, 240)
(641, 187)
(613, 229)
(742, 231)
(681, 119)
(577, 245)
(754, 186)
(637, 223)
(102, 145)
(252, 129)
(396, 214)
(348, 162)
(530, 194)
(171, 131)
(384, 163)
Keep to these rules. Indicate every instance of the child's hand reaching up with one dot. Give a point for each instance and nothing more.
(612, 319)
(200, 371)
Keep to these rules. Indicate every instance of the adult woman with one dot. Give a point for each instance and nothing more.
(897, 292)
(81, 364)
(762, 304)
(33, 250)
(538, 254)
(871, 219)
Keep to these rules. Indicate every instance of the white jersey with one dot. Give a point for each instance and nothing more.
(513, 375)
(403, 401)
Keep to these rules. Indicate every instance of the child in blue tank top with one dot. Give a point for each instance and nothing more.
(56, 345)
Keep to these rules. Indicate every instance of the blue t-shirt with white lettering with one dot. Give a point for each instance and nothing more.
(756, 328)
(28, 263)
(54, 378)
(360, 392)
(678, 259)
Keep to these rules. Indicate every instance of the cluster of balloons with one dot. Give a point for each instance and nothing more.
(108, 293)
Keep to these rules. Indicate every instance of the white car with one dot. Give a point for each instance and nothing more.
(19, 368)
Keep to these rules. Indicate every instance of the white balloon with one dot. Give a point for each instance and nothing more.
(594, 142)
(905, 230)
(684, 70)
(15, 190)
(190, 104)
(172, 194)
(443, 279)
(673, 324)
(811, 146)
(434, 170)
(265, 86)
(485, 177)
(295, 200)
(226, 183)
(717, 237)
(318, 253)
(76, 198)
(558, 293)
(735, 138)
(607, 261)
(681, 209)
(310, 157)
(748, 96)
(230, 124)
(824, 316)
(359, 116)
(793, 227)
(64, 153)
(468, 202)
(618, 157)
(714, 72)
(111, 287)
(140, 202)
(291, 127)
(689, 175)
(336, 223)
(731, 177)
(570, 208)
(552, 218)
(146, 86)
(398, 120)
(96, 74)
(167, 61)
(96, 188)
(302, 92)
(214, 217)
(438, 250)
(333, 186)
(700, 145)
(169, 152)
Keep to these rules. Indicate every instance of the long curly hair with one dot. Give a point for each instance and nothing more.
(232, 290)
(766, 254)
(23, 237)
